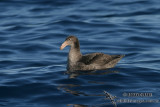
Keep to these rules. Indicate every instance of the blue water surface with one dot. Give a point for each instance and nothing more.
(33, 68)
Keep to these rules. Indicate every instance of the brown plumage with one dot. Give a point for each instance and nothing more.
(93, 61)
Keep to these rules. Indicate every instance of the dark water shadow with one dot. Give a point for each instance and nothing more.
(3, 102)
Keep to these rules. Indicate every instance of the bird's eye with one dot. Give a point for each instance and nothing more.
(69, 38)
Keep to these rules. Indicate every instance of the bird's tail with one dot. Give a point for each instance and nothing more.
(116, 59)
(118, 56)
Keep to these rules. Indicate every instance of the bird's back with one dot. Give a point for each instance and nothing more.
(100, 60)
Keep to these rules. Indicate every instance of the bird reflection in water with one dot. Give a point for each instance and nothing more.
(79, 73)
(109, 99)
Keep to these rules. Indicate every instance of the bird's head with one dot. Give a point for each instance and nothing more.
(71, 41)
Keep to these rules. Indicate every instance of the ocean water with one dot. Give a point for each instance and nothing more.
(33, 68)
